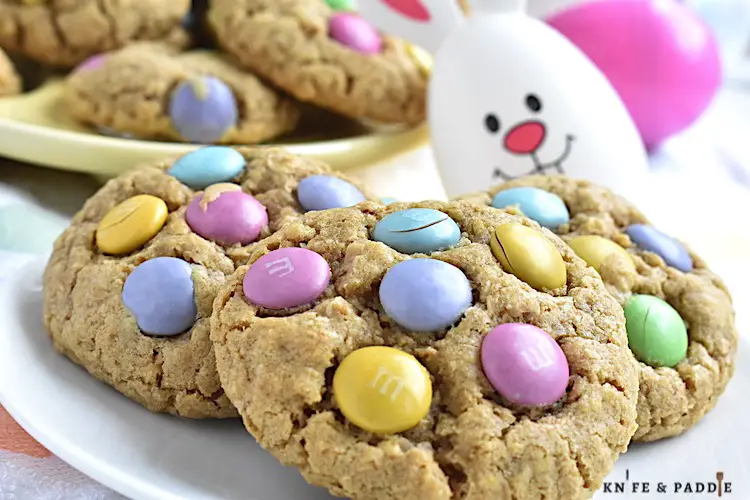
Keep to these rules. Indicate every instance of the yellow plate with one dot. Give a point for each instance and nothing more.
(34, 129)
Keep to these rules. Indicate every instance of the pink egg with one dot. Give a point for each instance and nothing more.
(660, 57)
(524, 364)
(227, 217)
(286, 278)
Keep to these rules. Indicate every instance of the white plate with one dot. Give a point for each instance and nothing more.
(159, 457)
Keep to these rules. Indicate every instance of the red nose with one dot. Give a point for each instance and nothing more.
(525, 137)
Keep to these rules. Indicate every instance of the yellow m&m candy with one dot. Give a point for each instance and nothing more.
(596, 250)
(529, 255)
(129, 225)
(382, 390)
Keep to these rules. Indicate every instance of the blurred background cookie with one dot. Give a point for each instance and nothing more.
(149, 92)
(63, 33)
(326, 55)
(10, 82)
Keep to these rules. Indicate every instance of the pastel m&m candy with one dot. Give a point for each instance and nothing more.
(203, 109)
(417, 230)
(425, 295)
(92, 63)
(225, 214)
(652, 240)
(129, 225)
(545, 208)
(597, 250)
(353, 31)
(525, 364)
(382, 390)
(323, 192)
(656, 332)
(341, 4)
(208, 165)
(160, 294)
(286, 278)
(529, 255)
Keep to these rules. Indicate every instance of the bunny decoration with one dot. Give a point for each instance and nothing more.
(510, 96)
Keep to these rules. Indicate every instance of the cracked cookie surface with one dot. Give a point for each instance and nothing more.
(671, 399)
(64, 33)
(147, 91)
(10, 82)
(84, 311)
(279, 368)
(288, 43)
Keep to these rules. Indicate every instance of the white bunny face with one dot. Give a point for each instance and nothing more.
(510, 96)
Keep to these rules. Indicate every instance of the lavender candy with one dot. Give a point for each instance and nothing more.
(203, 109)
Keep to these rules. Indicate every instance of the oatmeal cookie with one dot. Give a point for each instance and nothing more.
(128, 290)
(10, 82)
(147, 91)
(680, 316)
(428, 350)
(329, 57)
(63, 33)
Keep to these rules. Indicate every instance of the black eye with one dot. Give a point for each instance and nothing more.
(533, 103)
(492, 123)
(497, 173)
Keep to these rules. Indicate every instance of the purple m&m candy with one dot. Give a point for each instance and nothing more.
(286, 278)
(92, 63)
(323, 192)
(652, 240)
(524, 364)
(425, 295)
(353, 31)
(203, 109)
(227, 215)
(160, 294)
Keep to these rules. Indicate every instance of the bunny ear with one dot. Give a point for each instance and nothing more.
(423, 22)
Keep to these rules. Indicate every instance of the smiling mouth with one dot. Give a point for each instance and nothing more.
(539, 167)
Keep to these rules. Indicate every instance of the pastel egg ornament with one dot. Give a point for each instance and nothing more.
(510, 96)
(660, 56)
(203, 109)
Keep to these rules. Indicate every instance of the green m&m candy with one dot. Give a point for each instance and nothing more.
(341, 4)
(656, 332)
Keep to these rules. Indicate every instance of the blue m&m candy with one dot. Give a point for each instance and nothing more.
(160, 294)
(652, 240)
(203, 109)
(425, 295)
(417, 230)
(206, 166)
(545, 208)
(323, 192)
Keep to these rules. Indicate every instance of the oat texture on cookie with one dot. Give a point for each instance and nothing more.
(65, 33)
(151, 92)
(396, 352)
(322, 52)
(680, 319)
(130, 284)
(10, 81)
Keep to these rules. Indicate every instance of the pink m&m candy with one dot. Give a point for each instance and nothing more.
(227, 215)
(524, 364)
(351, 30)
(93, 62)
(286, 278)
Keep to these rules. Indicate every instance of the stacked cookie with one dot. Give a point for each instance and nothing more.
(224, 71)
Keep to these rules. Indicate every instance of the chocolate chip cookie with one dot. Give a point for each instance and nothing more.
(130, 284)
(10, 82)
(680, 319)
(146, 91)
(431, 350)
(328, 56)
(65, 32)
